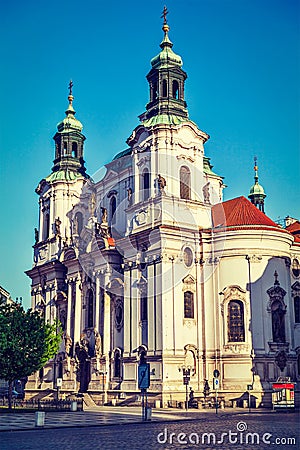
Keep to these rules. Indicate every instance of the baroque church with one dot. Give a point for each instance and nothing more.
(150, 263)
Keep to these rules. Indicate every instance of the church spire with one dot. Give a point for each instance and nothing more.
(257, 194)
(69, 142)
(166, 80)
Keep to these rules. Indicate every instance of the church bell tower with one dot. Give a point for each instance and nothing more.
(166, 81)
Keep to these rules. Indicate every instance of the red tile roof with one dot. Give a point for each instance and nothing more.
(239, 211)
(294, 228)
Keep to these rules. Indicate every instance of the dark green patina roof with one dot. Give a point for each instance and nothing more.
(207, 167)
(122, 153)
(65, 175)
(167, 119)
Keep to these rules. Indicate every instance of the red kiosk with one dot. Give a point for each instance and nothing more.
(283, 393)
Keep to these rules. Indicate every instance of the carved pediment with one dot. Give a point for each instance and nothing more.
(189, 280)
(185, 157)
(233, 292)
(276, 293)
(295, 289)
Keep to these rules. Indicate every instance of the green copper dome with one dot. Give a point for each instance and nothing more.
(166, 57)
(257, 189)
(64, 175)
(257, 193)
(69, 123)
(167, 119)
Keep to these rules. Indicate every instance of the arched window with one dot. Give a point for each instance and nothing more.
(74, 149)
(78, 223)
(175, 89)
(185, 183)
(154, 91)
(90, 308)
(235, 318)
(165, 89)
(146, 184)
(46, 226)
(113, 207)
(297, 309)
(65, 149)
(188, 305)
(117, 364)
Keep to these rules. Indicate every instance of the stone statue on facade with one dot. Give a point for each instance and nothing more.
(98, 344)
(57, 225)
(83, 364)
(278, 327)
(129, 196)
(68, 343)
(161, 184)
(206, 194)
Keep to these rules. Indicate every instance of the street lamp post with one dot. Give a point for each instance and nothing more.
(186, 373)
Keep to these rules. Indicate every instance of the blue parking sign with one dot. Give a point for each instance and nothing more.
(216, 383)
(144, 376)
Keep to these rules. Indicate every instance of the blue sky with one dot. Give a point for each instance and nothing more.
(242, 58)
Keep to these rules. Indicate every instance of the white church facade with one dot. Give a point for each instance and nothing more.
(150, 262)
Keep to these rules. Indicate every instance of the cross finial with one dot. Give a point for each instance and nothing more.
(70, 87)
(164, 15)
(255, 166)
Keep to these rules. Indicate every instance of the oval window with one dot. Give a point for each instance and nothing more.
(188, 257)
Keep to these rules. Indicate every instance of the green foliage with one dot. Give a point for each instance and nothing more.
(26, 341)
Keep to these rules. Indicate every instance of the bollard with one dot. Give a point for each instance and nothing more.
(74, 406)
(40, 418)
(148, 414)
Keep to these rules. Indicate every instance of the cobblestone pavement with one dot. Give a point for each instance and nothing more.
(229, 431)
(89, 417)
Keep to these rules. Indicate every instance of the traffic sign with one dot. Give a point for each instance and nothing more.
(216, 383)
(144, 376)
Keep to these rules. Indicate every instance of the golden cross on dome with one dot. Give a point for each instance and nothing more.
(164, 15)
(255, 163)
(70, 87)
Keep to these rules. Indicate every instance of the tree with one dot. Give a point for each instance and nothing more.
(26, 343)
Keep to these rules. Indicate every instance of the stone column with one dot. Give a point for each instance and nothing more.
(78, 308)
(68, 328)
(97, 303)
(106, 331)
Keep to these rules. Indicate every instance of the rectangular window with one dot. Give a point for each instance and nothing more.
(144, 308)
(188, 305)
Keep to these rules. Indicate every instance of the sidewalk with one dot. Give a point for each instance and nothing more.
(107, 415)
